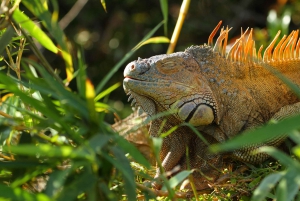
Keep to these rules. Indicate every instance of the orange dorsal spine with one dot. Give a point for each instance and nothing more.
(243, 50)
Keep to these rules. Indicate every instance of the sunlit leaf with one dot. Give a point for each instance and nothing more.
(178, 178)
(47, 150)
(158, 39)
(34, 30)
(90, 95)
(107, 91)
(18, 194)
(38, 9)
(103, 4)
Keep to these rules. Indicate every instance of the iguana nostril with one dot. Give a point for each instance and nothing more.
(132, 67)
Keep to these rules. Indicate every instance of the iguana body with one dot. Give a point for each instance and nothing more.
(221, 94)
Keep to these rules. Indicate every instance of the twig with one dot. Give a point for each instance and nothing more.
(73, 12)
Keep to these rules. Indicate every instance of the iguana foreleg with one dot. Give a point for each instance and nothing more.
(173, 147)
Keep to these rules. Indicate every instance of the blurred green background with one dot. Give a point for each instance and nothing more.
(106, 37)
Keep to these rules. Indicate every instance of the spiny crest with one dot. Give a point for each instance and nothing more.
(243, 50)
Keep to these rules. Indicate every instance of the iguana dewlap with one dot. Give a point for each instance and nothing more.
(221, 94)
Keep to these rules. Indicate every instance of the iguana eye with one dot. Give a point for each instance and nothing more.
(170, 65)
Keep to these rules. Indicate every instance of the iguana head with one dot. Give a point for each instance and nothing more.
(172, 81)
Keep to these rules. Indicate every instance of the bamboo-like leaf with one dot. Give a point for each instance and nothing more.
(107, 91)
(158, 39)
(122, 164)
(292, 182)
(34, 30)
(178, 178)
(296, 151)
(39, 10)
(281, 190)
(282, 157)
(47, 150)
(83, 182)
(18, 194)
(260, 135)
(103, 4)
(90, 95)
(265, 186)
(81, 75)
(165, 10)
(133, 151)
(56, 182)
(6, 38)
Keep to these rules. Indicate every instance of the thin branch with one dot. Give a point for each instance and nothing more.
(73, 12)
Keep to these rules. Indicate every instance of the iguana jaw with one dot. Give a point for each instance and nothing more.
(138, 100)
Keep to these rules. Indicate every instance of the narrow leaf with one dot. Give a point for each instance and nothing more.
(260, 135)
(6, 38)
(18, 194)
(164, 9)
(178, 178)
(47, 150)
(122, 164)
(158, 39)
(34, 30)
(265, 186)
(103, 4)
(282, 157)
(107, 91)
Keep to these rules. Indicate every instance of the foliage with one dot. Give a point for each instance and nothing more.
(54, 135)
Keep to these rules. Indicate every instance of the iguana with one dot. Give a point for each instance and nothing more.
(220, 93)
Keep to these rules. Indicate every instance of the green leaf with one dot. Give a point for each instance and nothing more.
(107, 91)
(158, 39)
(122, 164)
(296, 151)
(292, 182)
(85, 181)
(282, 157)
(259, 135)
(56, 182)
(281, 190)
(164, 9)
(133, 151)
(18, 194)
(81, 76)
(6, 38)
(265, 186)
(47, 150)
(51, 24)
(103, 4)
(178, 178)
(123, 60)
(34, 30)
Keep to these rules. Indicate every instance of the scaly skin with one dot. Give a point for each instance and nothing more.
(221, 97)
